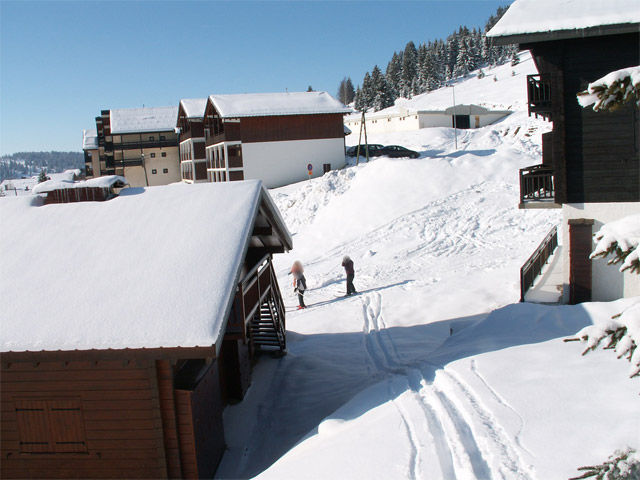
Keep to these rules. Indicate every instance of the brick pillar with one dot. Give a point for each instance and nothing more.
(580, 246)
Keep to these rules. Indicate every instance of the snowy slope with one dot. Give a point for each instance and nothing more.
(415, 377)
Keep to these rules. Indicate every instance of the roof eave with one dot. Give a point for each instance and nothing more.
(535, 37)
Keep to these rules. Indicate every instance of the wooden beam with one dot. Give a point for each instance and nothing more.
(264, 231)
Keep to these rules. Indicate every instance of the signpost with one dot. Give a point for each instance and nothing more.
(310, 168)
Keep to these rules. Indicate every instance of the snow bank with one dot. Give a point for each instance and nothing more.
(154, 267)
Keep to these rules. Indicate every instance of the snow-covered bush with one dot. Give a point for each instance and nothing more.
(622, 465)
(622, 332)
(613, 90)
(620, 239)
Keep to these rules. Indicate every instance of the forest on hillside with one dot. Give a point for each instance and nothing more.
(28, 164)
(427, 67)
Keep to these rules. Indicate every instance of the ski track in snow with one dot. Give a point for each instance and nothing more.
(468, 440)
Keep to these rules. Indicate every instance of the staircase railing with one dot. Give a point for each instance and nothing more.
(536, 184)
(533, 266)
(259, 291)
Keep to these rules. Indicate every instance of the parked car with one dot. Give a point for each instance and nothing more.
(374, 150)
(396, 151)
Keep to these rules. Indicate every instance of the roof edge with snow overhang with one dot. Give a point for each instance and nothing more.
(193, 107)
(276, 104)
(531, 21)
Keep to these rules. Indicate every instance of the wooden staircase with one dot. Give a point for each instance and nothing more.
(267, 326)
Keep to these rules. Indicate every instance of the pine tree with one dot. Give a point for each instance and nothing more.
(368, 92)
(349, 92)
(310, 89)
(43, 176)
(358, 101)
(394, 72)
(409, 70)
(382, 96)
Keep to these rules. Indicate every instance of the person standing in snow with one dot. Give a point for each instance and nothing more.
(347, 263)
(299, 282)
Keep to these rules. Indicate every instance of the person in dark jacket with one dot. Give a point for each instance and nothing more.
(347, 263)
(299, 282)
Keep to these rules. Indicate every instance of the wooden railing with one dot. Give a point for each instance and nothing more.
(533, 266)
(259, 286)
(539, 95)
(536, 184)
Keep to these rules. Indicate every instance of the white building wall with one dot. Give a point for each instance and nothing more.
(282, 163)
(437, 120)
(608, 283)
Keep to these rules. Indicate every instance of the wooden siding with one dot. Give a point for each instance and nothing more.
(199, 420)
(580, 235)
(168, 415)
(235, 369)
(119, 407)
(595, 155)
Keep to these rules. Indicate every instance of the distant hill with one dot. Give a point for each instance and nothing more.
(27, 164)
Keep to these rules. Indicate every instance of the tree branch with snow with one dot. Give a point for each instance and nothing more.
(622, 465)
(613, 90)
(622, 334)
(620, 239)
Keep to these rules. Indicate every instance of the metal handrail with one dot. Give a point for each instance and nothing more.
(536, 183)
(533, 266)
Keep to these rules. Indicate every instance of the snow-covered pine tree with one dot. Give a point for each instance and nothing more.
(43, 176)
(409, 69)
(368, 92)
(383, 96)
(394, 72)
(462, 66)
(349, 91)
(622, 465)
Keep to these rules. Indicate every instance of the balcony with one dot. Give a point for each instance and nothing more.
(536, 187)
(137, 145)
(539, 95)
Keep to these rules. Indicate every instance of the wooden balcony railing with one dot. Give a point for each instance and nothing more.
(539, 95)
(536, 184)
(533, 266)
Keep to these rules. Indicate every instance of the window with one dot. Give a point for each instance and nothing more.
(153, 155)
(164, 154)
(152, 138)
(50, 426)
(165, 170)
(162, 137)
(154, 171)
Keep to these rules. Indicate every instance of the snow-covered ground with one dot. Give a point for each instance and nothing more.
(433, 370)
(24, 186)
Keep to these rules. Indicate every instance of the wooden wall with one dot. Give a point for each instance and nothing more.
(595, 154)
(119, 407)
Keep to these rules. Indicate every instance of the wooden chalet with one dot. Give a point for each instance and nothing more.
(273, 137)
(92, 190)
(590, 163)
(119, 365)
(193, 167)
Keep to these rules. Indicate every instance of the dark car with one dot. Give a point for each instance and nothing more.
(396, 151)
(375, 150)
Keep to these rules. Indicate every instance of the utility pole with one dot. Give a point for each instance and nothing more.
(455, 131)
(363, 125)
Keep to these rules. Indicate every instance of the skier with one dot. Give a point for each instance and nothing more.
(299, 283)
(347, 263)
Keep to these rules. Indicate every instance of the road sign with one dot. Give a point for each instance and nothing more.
(310, 167)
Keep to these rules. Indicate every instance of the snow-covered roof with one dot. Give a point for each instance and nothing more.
(283, 103)
(542, 17)
(89, 139)
(146, 119)
(154, 267)
(194, 107)
(105, 182)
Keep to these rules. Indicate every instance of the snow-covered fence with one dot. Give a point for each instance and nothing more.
(533, 266)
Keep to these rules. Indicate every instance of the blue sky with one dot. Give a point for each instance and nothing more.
(61, 62)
